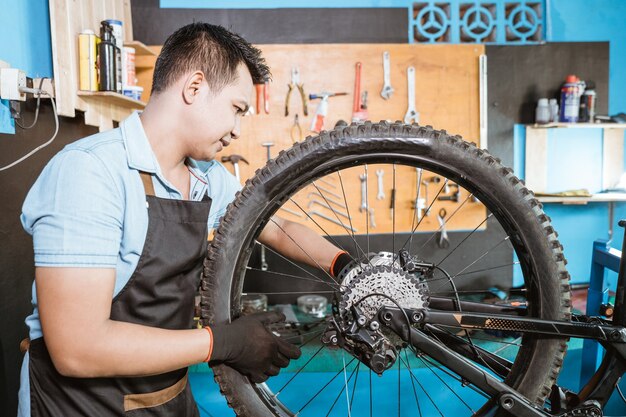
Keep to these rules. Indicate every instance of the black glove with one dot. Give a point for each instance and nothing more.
(247, 346)
(342, 259)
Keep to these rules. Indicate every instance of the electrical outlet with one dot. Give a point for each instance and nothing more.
(11, 79)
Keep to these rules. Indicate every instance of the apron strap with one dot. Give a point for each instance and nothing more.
(147, 182)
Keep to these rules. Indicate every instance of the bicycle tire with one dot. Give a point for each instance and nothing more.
(535, 241)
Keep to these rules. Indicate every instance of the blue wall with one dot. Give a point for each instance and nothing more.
(24, 44)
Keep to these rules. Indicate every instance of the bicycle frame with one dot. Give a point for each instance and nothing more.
(611, 334)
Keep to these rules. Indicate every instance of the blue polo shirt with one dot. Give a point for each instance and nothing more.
(87, 209)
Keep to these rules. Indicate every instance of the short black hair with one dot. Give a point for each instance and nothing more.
(212, 49)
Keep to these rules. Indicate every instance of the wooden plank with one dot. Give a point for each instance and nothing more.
(127, 18)
(446, 96)
(536, 177)
(612, 157)
(62, 41)
(110, 97)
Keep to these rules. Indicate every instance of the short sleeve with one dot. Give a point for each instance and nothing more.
(223, 186)
(74, 212)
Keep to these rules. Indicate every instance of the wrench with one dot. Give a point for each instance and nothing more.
(311, 203)
(411, 113)
(363, 178)
(442, 235)
(330, 219)
(327, 199)
(372, 219)
(381, 191)
(264, 265)
(387, 88)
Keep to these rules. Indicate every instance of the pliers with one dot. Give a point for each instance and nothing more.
(295, 83)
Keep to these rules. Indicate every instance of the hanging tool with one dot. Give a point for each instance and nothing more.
(295, 83)
(411, 113)
(455, 195)
(288, 210)
(372, 219)
(330, 200)
(359, 106)
(263, 94)
(296, 130)
(317, 124)
(268, 145)
(387, 90)
(330, 219)
(381, 189)
(311, 203)
(363, 179)
(235, 159)
(442, 234)
(327, 191)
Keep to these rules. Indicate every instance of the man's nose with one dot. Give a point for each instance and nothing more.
(236, 129)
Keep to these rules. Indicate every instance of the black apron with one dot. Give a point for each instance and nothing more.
(160, 293)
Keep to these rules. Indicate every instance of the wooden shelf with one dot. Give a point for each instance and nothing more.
(580, 125)
(109, 97)
(140, 48)
(595, 198)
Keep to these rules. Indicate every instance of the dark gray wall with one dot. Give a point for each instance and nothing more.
(16, 246)
(520, 75)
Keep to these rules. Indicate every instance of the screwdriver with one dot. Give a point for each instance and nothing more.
(316, 96)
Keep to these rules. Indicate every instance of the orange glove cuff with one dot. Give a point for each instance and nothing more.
(208, 357)
(332, 264)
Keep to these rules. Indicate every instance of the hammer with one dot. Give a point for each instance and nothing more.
(234, 159)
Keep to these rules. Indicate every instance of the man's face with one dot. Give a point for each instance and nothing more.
(216, 118)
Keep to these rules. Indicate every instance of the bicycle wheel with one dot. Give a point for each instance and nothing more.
(511, 215)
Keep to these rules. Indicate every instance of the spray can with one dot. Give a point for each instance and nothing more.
(107, 59)
(87, 61)
(570, 99)
(587, 111)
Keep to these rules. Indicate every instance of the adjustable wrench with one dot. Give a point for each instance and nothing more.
(363, 178)
(387, 88)
(372, 220)
(381, 189)
(411, 113)
(330, 219)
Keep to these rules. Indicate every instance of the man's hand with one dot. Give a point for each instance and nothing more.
(247, 346)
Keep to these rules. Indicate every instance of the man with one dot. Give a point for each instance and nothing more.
(119, 223)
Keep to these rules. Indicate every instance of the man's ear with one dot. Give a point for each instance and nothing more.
(192, 86)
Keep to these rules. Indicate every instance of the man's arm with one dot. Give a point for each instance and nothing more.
(75, 306)
(299, 243)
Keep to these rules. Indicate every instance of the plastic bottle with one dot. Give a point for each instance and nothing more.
(587, 110)
(542, 112)
(107, 59)
(570, 99)
(554, 110)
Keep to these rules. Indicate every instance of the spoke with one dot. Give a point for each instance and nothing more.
(340, 392)
(305, 252)
(358, 365)
(310, 340)
(476, 260)
(345, 379)
(419, 189)
(399, 397)
(421, 220)
(455, 377)
(324, 387)
(421, 386)
(367, 211)
(488, 269)
(371, 408)
(464, 239)
(288, 292)
(350, 231)
(316, 332)
(447, 386)
(289, 275)
(345, 202)
(299, 370)
(443, 225)
(408, 366)
(393, 212)
(332, 284)
(318, 225)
